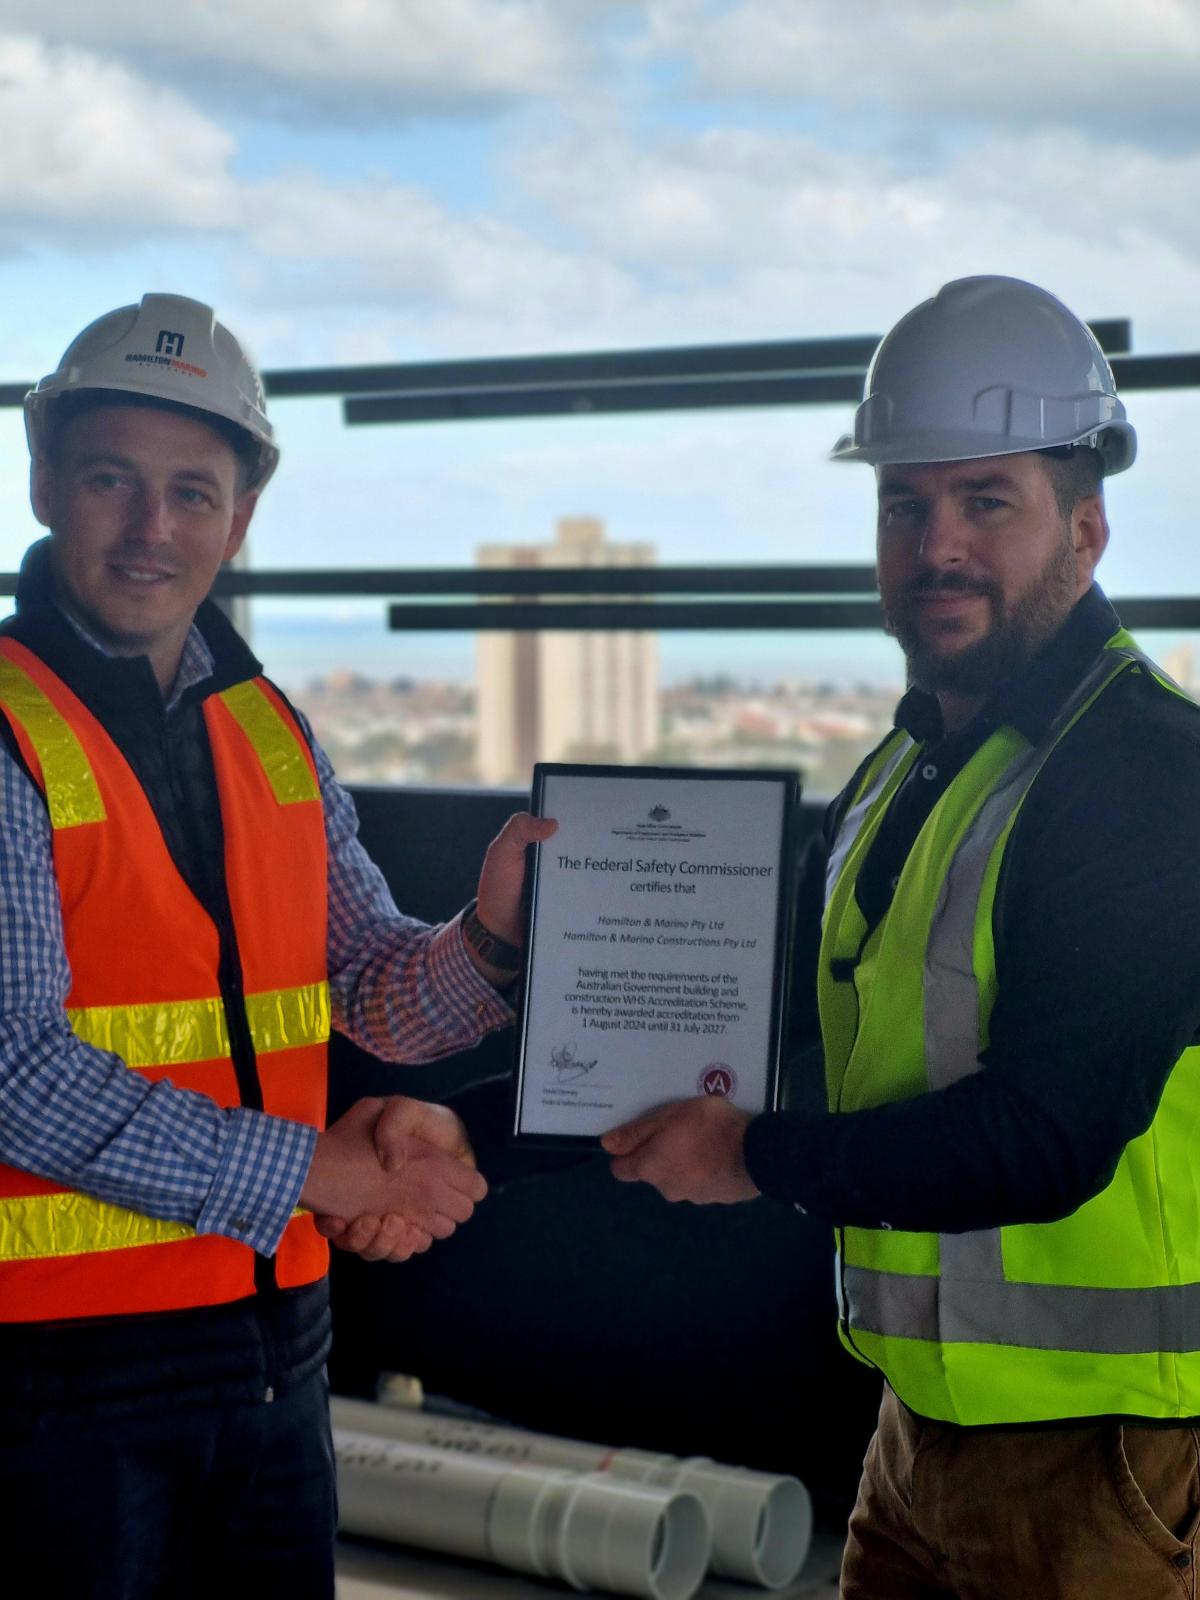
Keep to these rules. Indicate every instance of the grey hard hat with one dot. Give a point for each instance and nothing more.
(989, 366)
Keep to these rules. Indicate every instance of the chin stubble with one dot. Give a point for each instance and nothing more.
(1012, 640)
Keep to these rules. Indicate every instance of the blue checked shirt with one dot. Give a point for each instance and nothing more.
(78, 1116)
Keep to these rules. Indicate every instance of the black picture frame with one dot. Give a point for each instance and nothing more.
(788, 782)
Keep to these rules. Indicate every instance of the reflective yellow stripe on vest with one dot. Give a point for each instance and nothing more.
(182, 1031)
(34, 1227)
(284, 762)
(72, 793)
(38, 1226)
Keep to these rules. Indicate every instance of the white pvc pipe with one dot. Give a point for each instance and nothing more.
(594, 1532)
(761, 1522)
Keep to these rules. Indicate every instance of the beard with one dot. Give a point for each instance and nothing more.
(1016, 634)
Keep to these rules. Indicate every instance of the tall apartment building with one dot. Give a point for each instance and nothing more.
(565, 696)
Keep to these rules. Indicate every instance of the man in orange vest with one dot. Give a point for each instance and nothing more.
(184, 912)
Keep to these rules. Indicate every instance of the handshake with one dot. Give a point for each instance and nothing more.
(390, 1176)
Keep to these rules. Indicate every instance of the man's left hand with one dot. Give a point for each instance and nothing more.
(503, 876)
(687, 1150)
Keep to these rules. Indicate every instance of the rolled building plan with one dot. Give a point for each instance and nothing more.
(594, 1531)
(761, 1522)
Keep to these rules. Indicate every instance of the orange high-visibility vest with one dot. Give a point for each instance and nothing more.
(144, 957)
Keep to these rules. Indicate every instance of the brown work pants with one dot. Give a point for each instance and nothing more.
(1104, 1512)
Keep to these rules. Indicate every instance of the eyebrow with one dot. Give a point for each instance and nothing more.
(992, 480)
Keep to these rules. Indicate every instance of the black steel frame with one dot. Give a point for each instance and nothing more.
(784, 372)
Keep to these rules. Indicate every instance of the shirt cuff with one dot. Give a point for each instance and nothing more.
(783, 1156)
(455, 974)
(264, 1162)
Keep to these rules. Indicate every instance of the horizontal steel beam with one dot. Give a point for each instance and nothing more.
(790, 357)
(1157, 372)
(665, 362)
(650, 616)
(816, 591)
(610, 396)
(778, 356)
(1160, 611)
(640, 616)
(527, 581)
(606, 398)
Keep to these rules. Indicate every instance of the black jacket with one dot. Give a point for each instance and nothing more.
(1097, 935)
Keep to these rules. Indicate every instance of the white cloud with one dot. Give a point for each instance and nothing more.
(718, 200)
(777, 229)
(1111, 66)
(356, 61)
(372, 245)
(89, 149)
(718, 236)
(607, 233)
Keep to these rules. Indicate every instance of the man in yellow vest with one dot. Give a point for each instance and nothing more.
(185, 911)
(1007, 977)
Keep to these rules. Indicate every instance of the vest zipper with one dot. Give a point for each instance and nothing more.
(844, 969)
(230, 978)
(244, 1058)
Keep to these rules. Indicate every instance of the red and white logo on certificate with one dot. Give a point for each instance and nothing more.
(717, 1078)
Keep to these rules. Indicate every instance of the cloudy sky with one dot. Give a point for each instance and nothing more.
(415, 179)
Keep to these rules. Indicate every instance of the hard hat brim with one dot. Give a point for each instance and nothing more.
(1117, 443)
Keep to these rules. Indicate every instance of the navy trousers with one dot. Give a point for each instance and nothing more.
(223, 1503)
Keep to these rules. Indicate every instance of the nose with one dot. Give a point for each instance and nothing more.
(148, 520)
(945, 538)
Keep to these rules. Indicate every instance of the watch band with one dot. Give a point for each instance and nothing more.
(489, 946)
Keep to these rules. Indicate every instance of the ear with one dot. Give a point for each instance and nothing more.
(1089, 535)
(41, 490)
(242, 512)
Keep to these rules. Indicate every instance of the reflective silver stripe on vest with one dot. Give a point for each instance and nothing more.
(952, 1023)
(852, 822)
(971, 1300)
(1035, 1316)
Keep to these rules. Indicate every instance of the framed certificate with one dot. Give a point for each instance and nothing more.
(656, 942)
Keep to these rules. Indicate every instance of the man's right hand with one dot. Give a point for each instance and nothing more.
(390, 1176)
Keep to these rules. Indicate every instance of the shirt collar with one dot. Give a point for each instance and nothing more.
(214, 657)
(195, 664)
(1029, 704)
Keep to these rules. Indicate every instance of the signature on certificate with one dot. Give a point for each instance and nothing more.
(567, 1064)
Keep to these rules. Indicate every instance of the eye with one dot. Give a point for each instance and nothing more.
(987, 502)
(103, 481)
(897, 512)
(194, 499)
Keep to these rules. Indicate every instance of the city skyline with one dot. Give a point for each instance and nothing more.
(424, 731)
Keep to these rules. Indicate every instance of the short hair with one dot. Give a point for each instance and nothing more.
(77, 402)
(1076, 472)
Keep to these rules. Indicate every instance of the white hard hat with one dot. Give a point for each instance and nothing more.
(990, 366)
(168, 348)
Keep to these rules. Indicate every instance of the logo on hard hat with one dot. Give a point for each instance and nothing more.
(168, 343)
(143, 358)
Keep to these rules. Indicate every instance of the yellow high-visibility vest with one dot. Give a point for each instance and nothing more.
(1096, 1314)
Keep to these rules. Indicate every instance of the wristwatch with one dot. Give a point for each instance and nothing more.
(489, 946)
